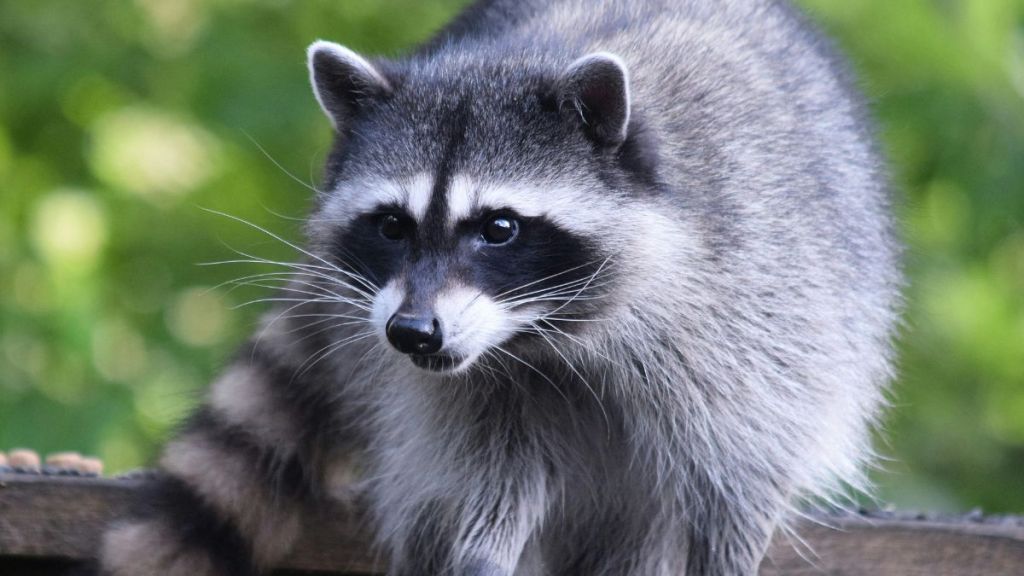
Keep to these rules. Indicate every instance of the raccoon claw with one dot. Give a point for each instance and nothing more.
(57, 464)
(24, 461)
(74, 463)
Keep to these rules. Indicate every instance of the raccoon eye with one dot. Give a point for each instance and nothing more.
(391, 227)
(500, 230)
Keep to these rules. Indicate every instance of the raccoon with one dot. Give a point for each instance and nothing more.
(592, 287)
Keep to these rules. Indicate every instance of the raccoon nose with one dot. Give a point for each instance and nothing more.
(414, 334)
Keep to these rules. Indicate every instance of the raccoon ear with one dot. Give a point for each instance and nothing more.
(342, 80)
(594, 90)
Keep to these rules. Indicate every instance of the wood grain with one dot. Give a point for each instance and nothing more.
(47, 521)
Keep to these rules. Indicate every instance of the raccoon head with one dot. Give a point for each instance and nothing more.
(482, 201)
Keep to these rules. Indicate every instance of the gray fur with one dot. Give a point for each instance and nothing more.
(737, 341)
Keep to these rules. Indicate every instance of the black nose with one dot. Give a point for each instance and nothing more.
(414, 334)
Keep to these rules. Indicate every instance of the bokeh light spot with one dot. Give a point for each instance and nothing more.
(69, 228)
(199, 317)
(173, 26)
(152, 154)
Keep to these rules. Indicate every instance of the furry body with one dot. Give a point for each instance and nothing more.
(688, 331)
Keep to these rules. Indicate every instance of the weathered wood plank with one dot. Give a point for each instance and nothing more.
(63, 518)
(45, 520)
(903, 546)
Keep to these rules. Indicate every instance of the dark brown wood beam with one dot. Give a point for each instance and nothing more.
(48, 521)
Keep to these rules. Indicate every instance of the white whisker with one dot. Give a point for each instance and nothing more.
(277, 237)
(535, 369)
(282, 168)
(555, 275)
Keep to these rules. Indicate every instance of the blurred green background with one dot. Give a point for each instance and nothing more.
(119, 119)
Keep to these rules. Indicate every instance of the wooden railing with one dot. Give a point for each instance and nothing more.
(49, 522)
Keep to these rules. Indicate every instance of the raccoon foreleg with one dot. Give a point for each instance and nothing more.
(479, 533)
(495, 530)
(727, 538)
(233, 484)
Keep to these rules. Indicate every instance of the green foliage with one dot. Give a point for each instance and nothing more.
(946, 80)
(119, 119)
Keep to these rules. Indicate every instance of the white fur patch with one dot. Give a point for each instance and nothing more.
(341, 475)
(559, 202)
(149, 548)
(462, 198)
(417, 195)
(241, 396)
(385, 305)
(353, 198)
(357, 197)
(473, 323)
